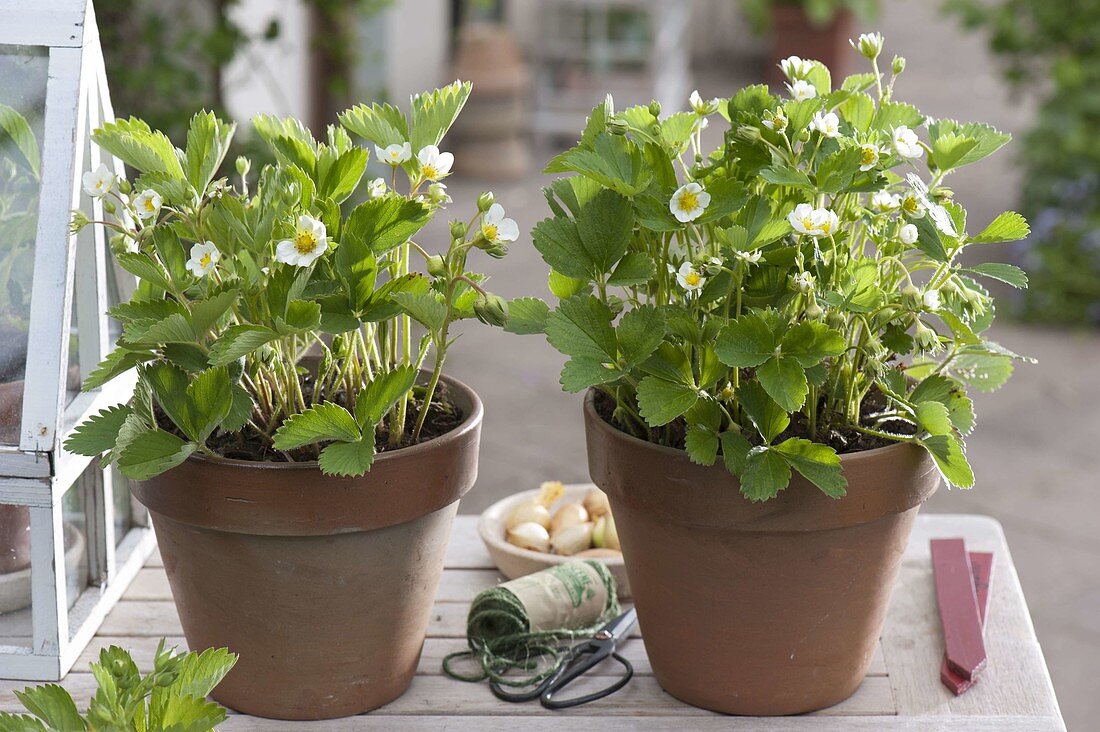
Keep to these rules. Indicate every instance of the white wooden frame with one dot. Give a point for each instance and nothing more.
(38, 472)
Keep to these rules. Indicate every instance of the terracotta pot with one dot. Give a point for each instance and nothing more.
(758, 608)
(323, 586)
(794, 35)
(15, 521)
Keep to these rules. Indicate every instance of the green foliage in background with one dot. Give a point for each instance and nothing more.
(19, 184)
(820, 12)
(1052, 49)
(172, 698)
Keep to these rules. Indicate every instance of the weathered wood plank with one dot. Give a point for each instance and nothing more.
(466, 550)
(1015, 683)
(960, 621)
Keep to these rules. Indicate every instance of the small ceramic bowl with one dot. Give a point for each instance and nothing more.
(514, 561)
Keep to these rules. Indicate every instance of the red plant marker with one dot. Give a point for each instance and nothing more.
(962, 623)
(981, 564)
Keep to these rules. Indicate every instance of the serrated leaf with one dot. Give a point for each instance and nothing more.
(983, 372)
(1007, 273)
(636, 268)
(136, 144)
(858, 109)
(613, 161)
(239, 340)
(745, 342)
(337, 178)
(240, 410)
(810, 342)
(785, 381)
(701, 444)
(817, 463)
(735, 451)
(946, 391)
(670, 363)
(661, 401)
(347, 458)
(379, 396)
(560, 245)
(144, 268)
(564, 287)
(1007, 226)
(152, 453)
(206, 313)
(208, 140)
(764, 475)
(951, 460)
(385, 223)
(579, 374)
(382, 124)
(933, 417)
(604, 227)
(949, 149)
(302, 316)
(15, 127)
(424, 308)
(325, 421)
(639, 333)
(434, 112)
(581, 327)
(895, 114)
(53, 705)
(527, 316)
(768, 417)
(98, 433)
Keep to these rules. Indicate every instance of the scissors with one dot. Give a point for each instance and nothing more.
(580, 659)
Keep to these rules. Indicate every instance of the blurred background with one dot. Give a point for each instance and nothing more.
(1029, 67)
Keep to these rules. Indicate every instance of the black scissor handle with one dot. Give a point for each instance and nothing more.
(572, 671)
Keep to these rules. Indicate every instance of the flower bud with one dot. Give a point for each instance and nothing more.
(617, 127)
(835, 321)
(109, 207)
(437, 194)
(484, 201)
(437, 266)
(124, 185)
(898, 65)
(243, 165)
(926, 338)
(655, 108)
(814, 311)
(491, 309)
(868, 44)
(458, 230)
(713, 266)
(911, 297)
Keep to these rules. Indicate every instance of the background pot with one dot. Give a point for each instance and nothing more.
(794, 35)
(323, 586)
(767, 608)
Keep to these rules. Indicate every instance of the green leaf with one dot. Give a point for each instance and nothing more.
(385, 223)
(785, 381)
(1008, 226)
(144, 268)
(434, 112)
(894, 114)
(382, 124)
(984, 372)
(579, 374)
(928, 239)
(205, 314)
(639, 333)
(560, 245)
(604, 227)
(951, 460)
(764, 475)
(152, 453)
(661, 401)
(14, 126)
(117, 362)
(950, 148)
(1007, 273)
(768, 417)
(98, 433)
(211, 396)
(54, 706)
(745, 342)
(933, 418)
(21, 723)
(239, 340)
(208, 140)
(379, 396)
(527, 316)
(321, 422)
(613, 161)
(948, 392)
(337, 178)
(670, 363)
(781, 174)
(735, 451)
(348, 458)
(701, 444)
(810, 342)
(302, 317)
(836, 171)
(134, 143)
(425, 308)
(581, 327)
(240, 410)
(564, 287)
(636, 268)
(817, 463)
(859, 110)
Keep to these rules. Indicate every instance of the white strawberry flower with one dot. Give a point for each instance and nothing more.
(433, 163)
(496, 228)
(912, 207)
(868, 156)
(688, 277)
(883, 201)
(204, 256)
(147, 204)
(688, 202)
(939, 214)
(310, 242)
(801, 89)
(794, 67)
(813, 221)
(931, 299)
(776, 120)
(376, 188)
(99, 182)
(394, 154)
(803, 282)
(906, 144)
(868, 45)
(748, 258)
(908, 235)
(703, 107)
(828, 124)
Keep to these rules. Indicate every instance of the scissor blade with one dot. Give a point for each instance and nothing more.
(620, 627)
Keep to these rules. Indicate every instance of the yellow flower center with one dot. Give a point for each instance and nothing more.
(430, 172)
(490, 231)
(807, 222)
(205, 261)
(149, 205)
(869, 156)
(692, 279)
(689, 201)
(910, 204)
(305, 242)
(826, 225)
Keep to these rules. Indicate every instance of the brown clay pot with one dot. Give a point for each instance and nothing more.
(15, 521)
(794, 35)
(322, 585)
(758, 608)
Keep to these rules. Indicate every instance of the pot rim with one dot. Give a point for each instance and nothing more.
(474, 414)
(603, 424)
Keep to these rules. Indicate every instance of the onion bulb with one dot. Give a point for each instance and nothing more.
(530, 536)
(568, 515)
(604, 534)
(596, 503)
(528, 512)
(572, 539)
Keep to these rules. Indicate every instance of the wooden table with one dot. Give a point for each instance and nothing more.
(901, 692)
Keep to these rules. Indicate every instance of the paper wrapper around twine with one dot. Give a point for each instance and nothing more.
(522, 622)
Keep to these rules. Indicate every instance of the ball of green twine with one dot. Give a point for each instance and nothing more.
(499, 634)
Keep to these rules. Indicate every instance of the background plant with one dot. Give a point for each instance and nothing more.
(19, 184)
(820, 12)
(1050, 49)
(795, 293)
(172, 697)
(239, 282)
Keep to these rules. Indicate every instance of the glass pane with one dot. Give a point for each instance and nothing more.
(77, 549)
(124, 519)
(22, 109)
(15, 576)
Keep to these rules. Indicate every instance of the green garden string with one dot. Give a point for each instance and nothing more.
(521, 623)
